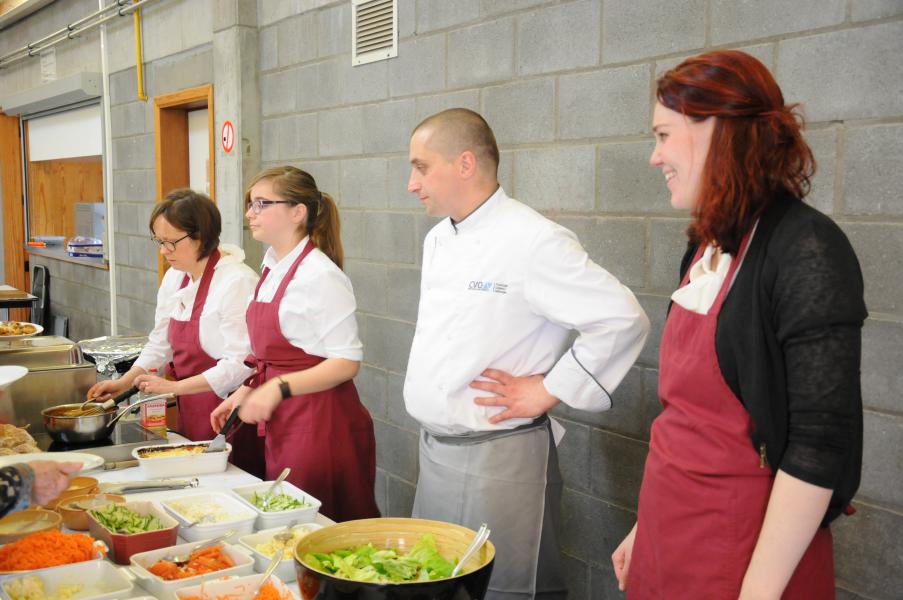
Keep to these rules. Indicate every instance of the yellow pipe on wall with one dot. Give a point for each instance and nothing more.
(139, 59)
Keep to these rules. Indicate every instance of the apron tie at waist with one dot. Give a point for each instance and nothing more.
(259, 366)
(477, 437)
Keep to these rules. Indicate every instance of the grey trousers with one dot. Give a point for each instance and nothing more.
(511, 482)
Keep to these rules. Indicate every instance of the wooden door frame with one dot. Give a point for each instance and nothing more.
(171, 143)
(14, 266)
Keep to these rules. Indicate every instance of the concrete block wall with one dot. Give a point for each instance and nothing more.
(568, 87)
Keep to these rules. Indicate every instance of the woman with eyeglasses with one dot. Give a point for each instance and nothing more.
(305, 349)
(199, 333)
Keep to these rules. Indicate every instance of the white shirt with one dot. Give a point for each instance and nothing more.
(503, 289)
(222, 329)
(317, 312)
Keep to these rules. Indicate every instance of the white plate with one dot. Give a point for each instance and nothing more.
(89, 461)
(38, 330)
(11, 373)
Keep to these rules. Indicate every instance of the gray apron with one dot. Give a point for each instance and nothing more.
(510, 481)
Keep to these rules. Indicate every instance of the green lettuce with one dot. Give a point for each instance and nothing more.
(367, 563)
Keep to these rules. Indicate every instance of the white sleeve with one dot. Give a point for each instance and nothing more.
(157, 352)
(566, 287)
(230, 370)
(323, 314)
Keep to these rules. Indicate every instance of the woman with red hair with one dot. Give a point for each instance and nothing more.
(759, 445)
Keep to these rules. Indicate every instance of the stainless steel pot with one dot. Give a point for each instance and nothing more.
(90, 428)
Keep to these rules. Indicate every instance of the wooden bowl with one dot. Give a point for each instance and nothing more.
(19, 524)
(78, 486)
(77, 518)
(451, 541)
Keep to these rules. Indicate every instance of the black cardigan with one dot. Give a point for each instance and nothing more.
(789, 343)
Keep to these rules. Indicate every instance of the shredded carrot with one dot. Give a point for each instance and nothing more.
(205, 560)
(46, 549)
(269, 592)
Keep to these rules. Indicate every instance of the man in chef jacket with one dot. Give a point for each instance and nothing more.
(501, 289)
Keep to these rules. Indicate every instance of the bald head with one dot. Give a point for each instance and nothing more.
(458, 130)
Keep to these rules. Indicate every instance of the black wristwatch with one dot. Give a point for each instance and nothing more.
(284, 389)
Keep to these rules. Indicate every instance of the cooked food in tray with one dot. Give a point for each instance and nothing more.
(47, 549)
(170, 451)
(204, 510)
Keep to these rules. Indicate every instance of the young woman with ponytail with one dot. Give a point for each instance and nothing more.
(305, 349)
(759, 445)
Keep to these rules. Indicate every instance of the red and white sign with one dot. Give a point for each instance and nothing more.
(228, 136)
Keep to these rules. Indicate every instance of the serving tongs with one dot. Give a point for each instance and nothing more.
(133, 487)
(219, 442)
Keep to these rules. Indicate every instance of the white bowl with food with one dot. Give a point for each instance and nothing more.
(176, 460)
(239, 588)
(95, 580)
(155, 576)
(215, 513)
(263, 548)
(286, 504)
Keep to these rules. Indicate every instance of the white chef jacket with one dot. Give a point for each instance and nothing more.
(502, 289)
(223, 330)
(317, 311)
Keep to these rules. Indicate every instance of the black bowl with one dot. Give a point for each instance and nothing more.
(451, 541)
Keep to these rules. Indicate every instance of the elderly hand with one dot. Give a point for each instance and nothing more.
(51, 479)
(520, 396)
(152, 384)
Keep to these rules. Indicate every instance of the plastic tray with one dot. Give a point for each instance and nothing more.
(286, 568)
(243, 524)
(239, 588)
(101, 580)
(178, 466)
(266, 520)
(160, 588)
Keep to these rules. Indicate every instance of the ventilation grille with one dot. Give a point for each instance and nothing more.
(374, 30)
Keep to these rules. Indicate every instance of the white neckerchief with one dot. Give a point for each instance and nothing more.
(705, 283)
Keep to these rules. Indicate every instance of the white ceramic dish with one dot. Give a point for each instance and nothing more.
(239, 588)
(89, 461)
(286, 568)
(100, 580)
(266, 520)
(11, 374)
(178, 466)
(37, 331)
(242, 524)
(160, 588)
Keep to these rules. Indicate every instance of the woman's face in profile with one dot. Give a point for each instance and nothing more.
(681, 148)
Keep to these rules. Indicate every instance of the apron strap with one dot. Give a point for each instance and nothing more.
(201, 297)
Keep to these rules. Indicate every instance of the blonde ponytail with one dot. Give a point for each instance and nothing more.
(325, 229)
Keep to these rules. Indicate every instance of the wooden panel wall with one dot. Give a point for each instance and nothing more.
(54, 186)
(13, 217)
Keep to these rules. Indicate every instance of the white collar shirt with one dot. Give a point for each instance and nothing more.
(222, 329)
(503, 289)
(317, 312)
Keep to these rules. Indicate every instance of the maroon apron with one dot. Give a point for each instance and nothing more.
(188, 360)
(326, 437)
(705, 488)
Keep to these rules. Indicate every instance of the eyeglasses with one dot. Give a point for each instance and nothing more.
(257, 205)
(169, 245)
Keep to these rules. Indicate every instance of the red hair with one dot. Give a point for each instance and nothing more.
(757, 153)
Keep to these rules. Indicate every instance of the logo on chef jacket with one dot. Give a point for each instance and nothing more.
(488, 286)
